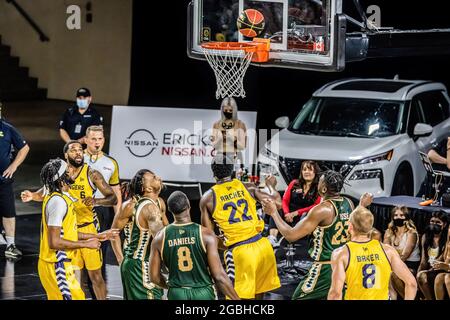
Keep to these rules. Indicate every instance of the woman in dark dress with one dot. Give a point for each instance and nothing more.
(300, 196)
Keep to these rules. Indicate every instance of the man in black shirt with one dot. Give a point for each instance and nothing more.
(439, 156)
(78, 118)
(10, 140)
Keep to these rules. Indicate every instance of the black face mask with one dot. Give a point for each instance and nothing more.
(399, 222)
(435, 228)
(75, 164)
(228, 115)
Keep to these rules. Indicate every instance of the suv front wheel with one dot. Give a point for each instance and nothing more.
(403, 182)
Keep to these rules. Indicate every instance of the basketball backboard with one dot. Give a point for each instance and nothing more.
(303, 34)
(309, 34)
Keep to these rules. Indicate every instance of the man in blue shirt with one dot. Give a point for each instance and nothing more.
(11, 143)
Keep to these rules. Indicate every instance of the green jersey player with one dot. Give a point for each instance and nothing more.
(141, 218)
(189, 251)
(328, 224)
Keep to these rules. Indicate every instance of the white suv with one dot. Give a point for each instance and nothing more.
(370, 130)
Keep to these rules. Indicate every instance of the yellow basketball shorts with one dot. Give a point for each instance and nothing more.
(59, 282)
(91, 259)
(252, 267)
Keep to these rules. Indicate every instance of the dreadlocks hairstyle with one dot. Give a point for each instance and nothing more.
(52, 174)
(135, 187)
(333, 180)
(222, 167)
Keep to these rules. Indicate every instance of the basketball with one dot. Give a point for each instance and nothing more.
(251, 23)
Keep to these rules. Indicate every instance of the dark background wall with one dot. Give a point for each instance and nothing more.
(163, 75)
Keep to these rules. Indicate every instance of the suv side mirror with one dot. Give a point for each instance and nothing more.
(282, 122)
(422, 130)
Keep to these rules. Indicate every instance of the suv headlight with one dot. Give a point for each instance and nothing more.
(384, 156)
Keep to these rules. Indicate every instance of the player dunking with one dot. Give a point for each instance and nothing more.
(141, 218)
(190, 253)
(249, 257)
(328, 224)
(60, 238)
(365, 265)
(84, 183)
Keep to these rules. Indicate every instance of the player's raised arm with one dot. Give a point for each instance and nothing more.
(260, 195)
(215, 266)
(302, 228)
(156, 276)
(339, 260)
(110, 198)
(153, 216)
(401, 270)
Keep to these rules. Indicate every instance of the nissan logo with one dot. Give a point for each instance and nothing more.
(141, 143)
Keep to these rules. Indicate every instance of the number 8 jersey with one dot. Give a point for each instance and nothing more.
(368, 272)
(235, 212)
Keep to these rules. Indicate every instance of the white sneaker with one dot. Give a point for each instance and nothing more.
(273, 241)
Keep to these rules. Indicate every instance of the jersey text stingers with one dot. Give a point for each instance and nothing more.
(80, 189)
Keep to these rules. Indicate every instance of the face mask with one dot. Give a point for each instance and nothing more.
(435, 228)
(75, 164)
(82, 103)
(399, 222)
(228, 115)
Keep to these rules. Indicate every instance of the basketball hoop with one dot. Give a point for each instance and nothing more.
(230, 61)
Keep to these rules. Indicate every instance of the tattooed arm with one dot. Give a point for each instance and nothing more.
(110, 198)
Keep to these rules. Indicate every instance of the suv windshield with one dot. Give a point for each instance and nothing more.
(349, 117)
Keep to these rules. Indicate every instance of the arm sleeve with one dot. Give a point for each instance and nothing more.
(287, 197)
(114, 180)
(98, 120)
(63, 121)
(55, 211)
(302, 211)
(16, 139)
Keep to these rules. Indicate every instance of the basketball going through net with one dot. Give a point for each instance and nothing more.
(230, 61)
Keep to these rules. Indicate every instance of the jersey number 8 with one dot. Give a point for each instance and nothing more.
(184, 259)
(368, 271)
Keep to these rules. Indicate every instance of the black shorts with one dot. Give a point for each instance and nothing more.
(7, 201)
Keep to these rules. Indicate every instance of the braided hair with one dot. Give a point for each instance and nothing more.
(134, 188)
(50, 176)
(333, 180)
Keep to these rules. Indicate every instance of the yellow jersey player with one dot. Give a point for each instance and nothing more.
(60, 237)
(249, 257)
(365, 265)
(84, 182)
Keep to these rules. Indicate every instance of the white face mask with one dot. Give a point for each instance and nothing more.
(82, 103)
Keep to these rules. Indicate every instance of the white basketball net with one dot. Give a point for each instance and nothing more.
(229, 67)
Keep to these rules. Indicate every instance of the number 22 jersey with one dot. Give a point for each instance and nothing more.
(235, 212)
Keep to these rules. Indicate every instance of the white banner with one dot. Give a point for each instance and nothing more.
(174, 143)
